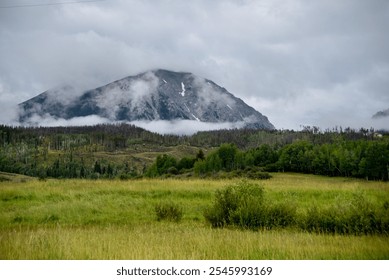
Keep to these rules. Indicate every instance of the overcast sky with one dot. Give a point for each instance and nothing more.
(299, 62)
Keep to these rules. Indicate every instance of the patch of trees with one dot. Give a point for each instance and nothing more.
(364, 159)
(108, 137)
(68, 166)
(168, 165)
(361, 159)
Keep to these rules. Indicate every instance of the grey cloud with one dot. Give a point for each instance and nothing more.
(381, 114)
(322, 63)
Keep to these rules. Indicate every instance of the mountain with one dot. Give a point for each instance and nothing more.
(381, 114)
(153, 95)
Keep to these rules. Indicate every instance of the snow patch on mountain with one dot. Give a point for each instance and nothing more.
(183, 89)
(196, 118)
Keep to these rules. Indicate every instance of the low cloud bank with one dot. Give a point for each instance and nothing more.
(184, 127)
(50, 121)
(177, 127)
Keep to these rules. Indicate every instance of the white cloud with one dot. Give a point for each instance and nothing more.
(184, 127)
(208, 93)
(121, 91)
(49, 121)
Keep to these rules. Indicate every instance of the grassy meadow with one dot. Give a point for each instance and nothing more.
(114, 219)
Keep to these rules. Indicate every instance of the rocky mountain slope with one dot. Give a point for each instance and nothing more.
(153, 95)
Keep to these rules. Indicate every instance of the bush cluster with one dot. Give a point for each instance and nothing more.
(168, 211)
(244, 205)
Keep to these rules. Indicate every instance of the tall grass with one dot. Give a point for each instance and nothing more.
(81, 219)
(165, 240)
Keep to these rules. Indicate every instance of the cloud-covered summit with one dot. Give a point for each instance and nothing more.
(158, 95)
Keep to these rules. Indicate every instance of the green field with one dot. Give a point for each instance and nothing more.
(113, 219)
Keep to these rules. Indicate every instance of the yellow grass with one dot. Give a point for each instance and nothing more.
(184, 241)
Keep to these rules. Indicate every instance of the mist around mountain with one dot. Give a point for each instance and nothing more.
(381, 114)
(174, 102)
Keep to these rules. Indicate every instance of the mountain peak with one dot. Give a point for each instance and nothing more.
(153, 95)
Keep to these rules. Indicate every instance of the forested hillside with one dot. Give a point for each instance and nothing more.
(125, 151)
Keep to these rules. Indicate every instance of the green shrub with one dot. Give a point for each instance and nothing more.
(244, 205)
(168, 211)
(326, 220)
(238, 204)
(280, 215)
(226, 202)
(172, 170)
(251, 214)
(258, 175)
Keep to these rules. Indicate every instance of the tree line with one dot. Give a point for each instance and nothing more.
(72, 152)
(111, 137)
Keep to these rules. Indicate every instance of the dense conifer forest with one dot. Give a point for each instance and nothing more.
(126, 151)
